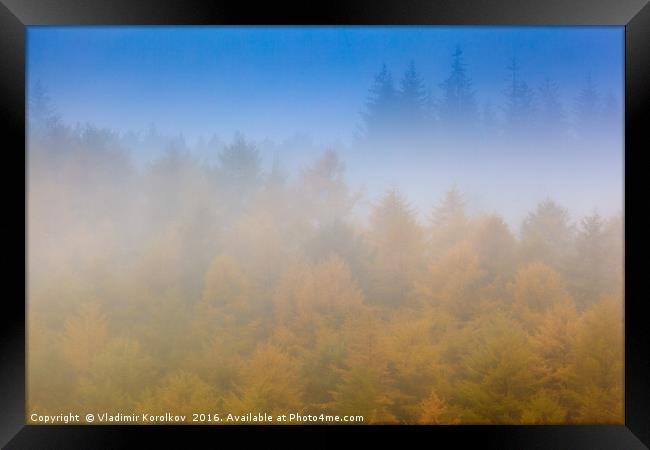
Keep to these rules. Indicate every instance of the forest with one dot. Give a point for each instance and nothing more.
(188, 286)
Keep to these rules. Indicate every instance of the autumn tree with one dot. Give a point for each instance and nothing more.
(596, 369)
(325, 195)
(269, 382)
(85, 333)
(495, 246)
(547, 235)
(182, 393)
(396, 241)
(365, 384)
(535, 290)
(310, 299)
(117, 376)
(495, 376)
(449, 222)
(454, 282)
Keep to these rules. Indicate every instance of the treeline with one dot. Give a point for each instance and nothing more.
(451, 109)
(225, 288)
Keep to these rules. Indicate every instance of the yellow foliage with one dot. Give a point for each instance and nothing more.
(536, 289)
(84, 335)
(181, 393)
(269, 382)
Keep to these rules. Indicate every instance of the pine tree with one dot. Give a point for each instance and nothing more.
(448, 221)
(412, 103)
(547, 236)
(269, 383)
(85, 334)
(324, 192)
(381, 106)
(181, 393)
(396, 241)
(590, 278)
(535, 290)
(458, 110)
(240, 173)
(519, 103)
(596, 373)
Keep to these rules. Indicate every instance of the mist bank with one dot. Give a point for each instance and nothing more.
(183, 286)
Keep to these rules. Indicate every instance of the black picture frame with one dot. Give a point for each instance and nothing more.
(16, 15)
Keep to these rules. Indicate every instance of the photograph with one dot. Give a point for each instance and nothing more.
(286, 225)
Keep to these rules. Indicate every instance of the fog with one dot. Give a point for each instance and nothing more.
(445, 259)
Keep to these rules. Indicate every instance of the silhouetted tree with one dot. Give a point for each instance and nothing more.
(458, 108)
(519, 103)
(240, 172)
(547, 235)
(380, 113)
(412, 102)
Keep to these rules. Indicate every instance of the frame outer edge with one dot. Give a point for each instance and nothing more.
(637, 137)
(12, 328)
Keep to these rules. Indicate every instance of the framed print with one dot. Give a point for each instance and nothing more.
(378, 218)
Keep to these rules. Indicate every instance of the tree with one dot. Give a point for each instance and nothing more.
(458, 110)
(412, 102)
(269, 383)
(449, 222)
(364, 387)
(226, 302)
(495, 247)
(341, 240)
(85, 333)
(454, 282)
(596, 371)
(412, 362)
(495, 376)
(117, 376)
(535, 290)
(591, 262)
(553, 341)
(325, 195)
(432, 410)
(614, 246)
(519, 103)
(311, 299)
(240, 172)
(547, 235)
(181, 393)
(381, 106)
(396, 242)
(544, 409)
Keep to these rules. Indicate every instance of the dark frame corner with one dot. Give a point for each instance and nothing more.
(16, 15)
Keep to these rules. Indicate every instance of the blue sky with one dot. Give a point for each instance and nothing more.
(273, 82)
(304, 88)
